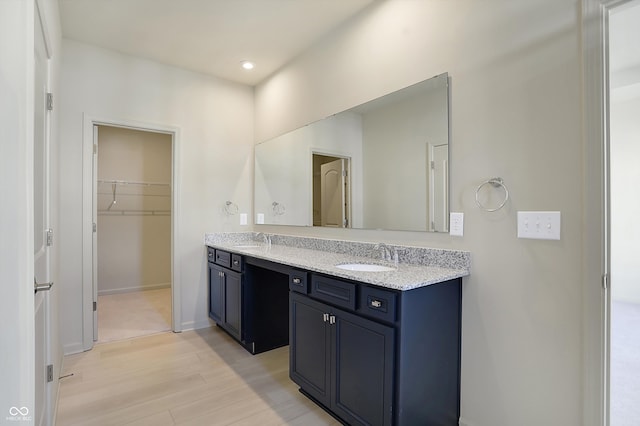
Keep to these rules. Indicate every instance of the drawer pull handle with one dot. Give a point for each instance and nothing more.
(235, 262)
(376, 303)
(325, 317)
(297, 280)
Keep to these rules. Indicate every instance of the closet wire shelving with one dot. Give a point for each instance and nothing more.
(133, 198)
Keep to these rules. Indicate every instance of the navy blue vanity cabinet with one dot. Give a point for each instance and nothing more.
(376, 356)
(343, 361)
(225, 292)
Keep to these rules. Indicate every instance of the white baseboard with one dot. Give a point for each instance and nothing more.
(195, 325)
(73, 348)
(131, 289)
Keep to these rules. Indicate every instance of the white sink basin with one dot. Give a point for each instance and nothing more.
(364, 267)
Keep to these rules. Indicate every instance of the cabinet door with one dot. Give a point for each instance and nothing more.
(216, 293)
(233, 304)
(309, 355)
(362, 370)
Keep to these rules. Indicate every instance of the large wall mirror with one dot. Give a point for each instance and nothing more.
(380, 165)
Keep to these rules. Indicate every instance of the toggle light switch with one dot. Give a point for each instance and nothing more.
(539, 225)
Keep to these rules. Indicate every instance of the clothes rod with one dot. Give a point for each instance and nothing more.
(134, 213)
(131, 182)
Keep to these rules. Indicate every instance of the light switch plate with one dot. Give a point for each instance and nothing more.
(539, 225)
(456, 224)
(243, 218)
(260, 218)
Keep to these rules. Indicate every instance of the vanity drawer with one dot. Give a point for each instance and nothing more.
(223, 258)
(339, 293)
(299, 281)
(236, 262)
(378, 303)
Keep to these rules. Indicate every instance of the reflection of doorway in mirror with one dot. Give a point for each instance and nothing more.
(438, 164)
(331, 191)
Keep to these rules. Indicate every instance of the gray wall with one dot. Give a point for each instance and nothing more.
(214, 161)
(515, 72)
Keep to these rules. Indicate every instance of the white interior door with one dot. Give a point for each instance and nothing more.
(439, 187)
(333, 190)
(94, 251)
(41, 200)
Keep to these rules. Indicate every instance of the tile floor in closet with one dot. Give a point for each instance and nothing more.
(126, 315)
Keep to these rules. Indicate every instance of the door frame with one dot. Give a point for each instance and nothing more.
(88, 292)
(431, 188)
(44, 299)
(596, 205)
(338, 155)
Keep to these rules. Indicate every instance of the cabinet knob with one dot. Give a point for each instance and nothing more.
(325, 317)
(297, 280)
(235, 262)
(332, 319)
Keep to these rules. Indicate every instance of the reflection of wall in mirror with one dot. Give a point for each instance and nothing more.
(283, 167)
(394, 151)
(276, 171)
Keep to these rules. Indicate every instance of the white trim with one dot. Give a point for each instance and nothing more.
(596, 256)
(73, 348)
(337, 154)
(132, 289)
(39, 12)
(196, 325)
(87, 219)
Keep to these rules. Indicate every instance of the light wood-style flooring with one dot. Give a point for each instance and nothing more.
(200, 377)
(133, 314)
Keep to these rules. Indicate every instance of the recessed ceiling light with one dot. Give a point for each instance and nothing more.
(247, 65)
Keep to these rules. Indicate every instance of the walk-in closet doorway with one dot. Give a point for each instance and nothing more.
(132, 178)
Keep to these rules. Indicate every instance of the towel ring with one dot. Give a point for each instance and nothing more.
(230, 208)
(496, 183)
(278, 209)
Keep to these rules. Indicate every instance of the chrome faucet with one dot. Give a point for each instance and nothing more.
(388, 253)
(266, 238)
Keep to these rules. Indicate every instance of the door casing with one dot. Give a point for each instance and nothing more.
(89, 294)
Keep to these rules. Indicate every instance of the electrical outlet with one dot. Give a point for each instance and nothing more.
(260, 218)
(456, 224)
(243, 218)
(539, 225)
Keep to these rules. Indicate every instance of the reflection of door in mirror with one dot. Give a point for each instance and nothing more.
(438, 162)
(331, 204)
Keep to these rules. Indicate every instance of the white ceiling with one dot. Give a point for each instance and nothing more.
(208, 36)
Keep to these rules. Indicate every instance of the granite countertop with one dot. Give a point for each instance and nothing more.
(421, 267)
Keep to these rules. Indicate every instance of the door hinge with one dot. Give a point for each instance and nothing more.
(346, 223)
(49, 237)
(95, 306)
(344, 173)
(433, 165)
(49, 373)
(95, 148)
(605, 281)
(95, 227)
(49, 101)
